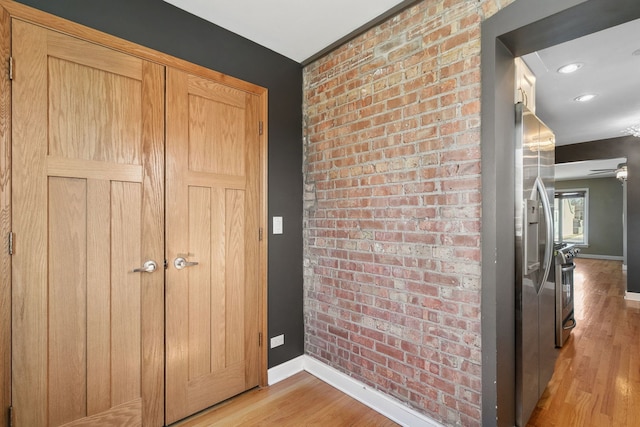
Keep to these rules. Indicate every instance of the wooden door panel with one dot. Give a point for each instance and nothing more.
(207, 390)
(98, 296)
(88, 202)
(127, 414)
(125, 292)
(211, 121)
(202, 298)
(212, 329)
(91, 55)
(59, 166)
(235, 276)
(73, 327)
(67, 297)
(95, 115)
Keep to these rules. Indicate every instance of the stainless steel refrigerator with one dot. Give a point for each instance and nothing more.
(535, 270)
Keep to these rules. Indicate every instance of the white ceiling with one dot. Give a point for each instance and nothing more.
(611, 71)
(297, 29)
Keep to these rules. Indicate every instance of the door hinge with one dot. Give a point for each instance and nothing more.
(260, 234)
(11, 423)
(11, 243)
(261, 128)
(11, 68)
(259, 339)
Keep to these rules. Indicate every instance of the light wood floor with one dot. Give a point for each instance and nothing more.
(301, 400)
(596, 381)
(597, 377)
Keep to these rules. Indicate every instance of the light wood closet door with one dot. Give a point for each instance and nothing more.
(87, 199)
(212, 220)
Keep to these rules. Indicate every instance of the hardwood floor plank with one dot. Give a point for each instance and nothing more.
(597, 377)
(301, 400)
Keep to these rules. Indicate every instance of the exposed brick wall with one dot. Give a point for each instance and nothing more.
(392, 208)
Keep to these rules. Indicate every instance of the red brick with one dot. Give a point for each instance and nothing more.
(374, 356)
(440, 384)
(391, 352)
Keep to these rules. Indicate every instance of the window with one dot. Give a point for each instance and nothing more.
(571, 217)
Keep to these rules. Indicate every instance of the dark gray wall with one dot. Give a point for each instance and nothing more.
(520, 28)
(161, 26)
(605, 214)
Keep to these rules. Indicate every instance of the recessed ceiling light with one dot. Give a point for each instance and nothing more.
(633, 130)
(570, 68)
(584, 98)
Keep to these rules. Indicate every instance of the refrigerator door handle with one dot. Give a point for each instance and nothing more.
(548, 219)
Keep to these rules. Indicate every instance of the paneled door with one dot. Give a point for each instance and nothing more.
(213, 200)
(87, 197)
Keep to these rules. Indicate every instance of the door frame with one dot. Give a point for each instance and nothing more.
(5, 219)
(10, 9)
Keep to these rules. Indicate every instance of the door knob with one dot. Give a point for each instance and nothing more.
(181, 263)
(148, 267)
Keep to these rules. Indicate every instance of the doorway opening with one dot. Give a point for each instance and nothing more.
(521, 28)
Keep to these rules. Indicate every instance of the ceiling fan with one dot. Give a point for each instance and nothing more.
(620, 171)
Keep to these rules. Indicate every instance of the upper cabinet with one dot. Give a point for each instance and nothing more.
(525, 85)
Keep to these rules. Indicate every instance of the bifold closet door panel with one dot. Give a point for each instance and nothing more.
(88, 209)
(213, 283)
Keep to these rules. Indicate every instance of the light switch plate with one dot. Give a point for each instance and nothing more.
(277, 225)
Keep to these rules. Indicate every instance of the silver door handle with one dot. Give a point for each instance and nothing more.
(148, 267)
(181, 263)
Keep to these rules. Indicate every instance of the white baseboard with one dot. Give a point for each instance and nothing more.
(632, 296)
(285, 370)
(378, 401)
(606, 257)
